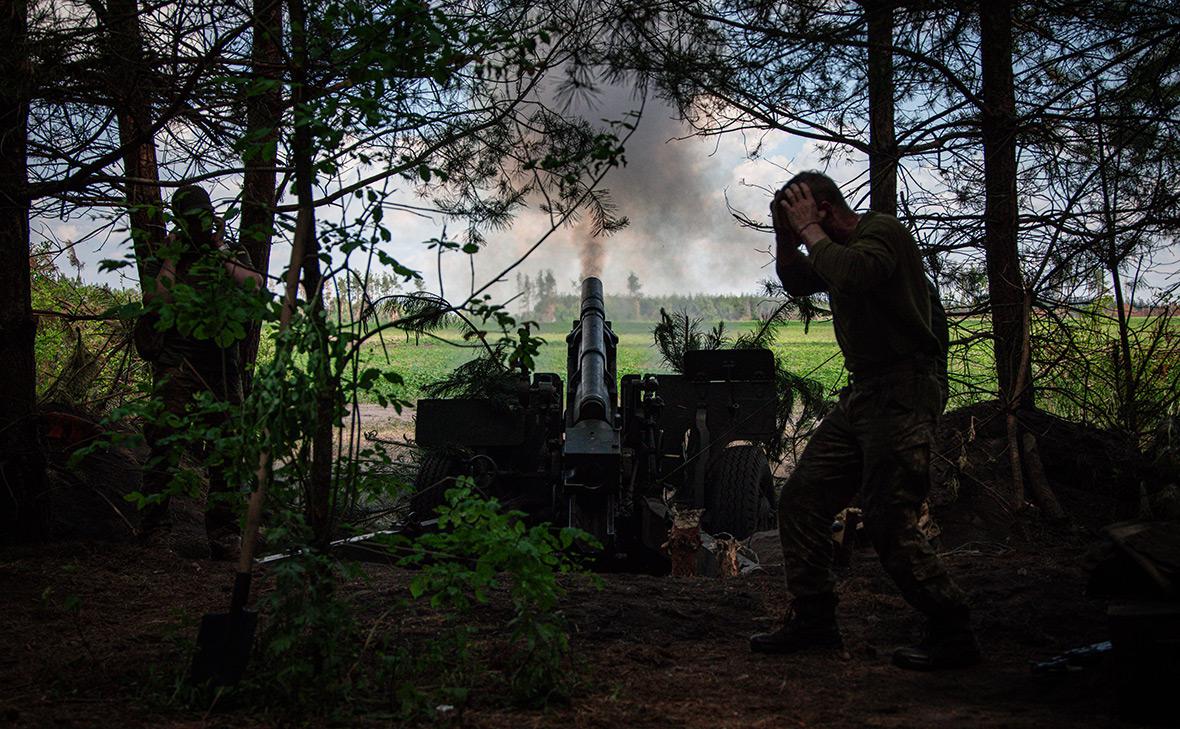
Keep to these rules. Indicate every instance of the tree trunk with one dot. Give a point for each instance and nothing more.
(129, 95)
(22, 461)
(1038, 483)
(1124, 368)
(319, 500)
(998, 127)
(883, 152)
(263, 117)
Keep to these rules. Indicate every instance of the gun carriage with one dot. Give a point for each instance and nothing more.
(614, 457)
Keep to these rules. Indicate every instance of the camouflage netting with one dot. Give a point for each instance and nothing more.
(1097, 476)
(88, 501)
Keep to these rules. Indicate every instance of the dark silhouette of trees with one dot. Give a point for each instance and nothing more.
(259, 146)
(22, 462)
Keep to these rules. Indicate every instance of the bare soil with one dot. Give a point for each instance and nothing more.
(98, 631)
(96, 634)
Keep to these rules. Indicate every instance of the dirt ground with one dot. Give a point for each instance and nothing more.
(97, 630)
(95, 634)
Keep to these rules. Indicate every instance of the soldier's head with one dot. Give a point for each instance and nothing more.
(823, 189)
(192, 211)
(836, 217)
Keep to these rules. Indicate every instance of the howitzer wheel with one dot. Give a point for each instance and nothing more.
(436, 474)
(739, 486)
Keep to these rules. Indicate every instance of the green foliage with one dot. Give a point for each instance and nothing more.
(206, 303)
(426, 94)
(477, 549)
(314, 656)
(483, 377)
(496, 372)
(1083, 374)
(311, 640)
(83, 346)
(675, 335)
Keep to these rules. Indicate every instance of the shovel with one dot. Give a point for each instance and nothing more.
(224, 640)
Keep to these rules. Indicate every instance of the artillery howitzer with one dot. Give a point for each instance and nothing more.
(618, 458)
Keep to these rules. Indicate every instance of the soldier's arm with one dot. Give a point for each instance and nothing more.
(239, 266)
(242, 274)
(796, 273)
(859, 266)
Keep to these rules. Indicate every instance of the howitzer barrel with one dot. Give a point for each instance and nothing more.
(594, 400)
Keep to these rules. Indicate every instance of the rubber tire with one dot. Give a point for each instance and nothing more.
(739, 480)
(436, 473)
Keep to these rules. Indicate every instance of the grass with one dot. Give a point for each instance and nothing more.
(1079, 386)
(813, 353)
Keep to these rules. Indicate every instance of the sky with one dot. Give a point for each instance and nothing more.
(681, 237)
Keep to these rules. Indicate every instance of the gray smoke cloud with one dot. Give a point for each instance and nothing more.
(665, 191)
(672, 190)
(681, 238)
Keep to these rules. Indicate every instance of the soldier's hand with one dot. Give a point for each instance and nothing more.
(783, 235)
(219, 233)
(800, 208)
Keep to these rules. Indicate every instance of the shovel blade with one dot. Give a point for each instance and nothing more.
(223, 647)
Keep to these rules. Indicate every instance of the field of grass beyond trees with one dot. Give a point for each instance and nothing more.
(423, 360)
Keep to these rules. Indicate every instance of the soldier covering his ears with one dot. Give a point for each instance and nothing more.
(877, 440)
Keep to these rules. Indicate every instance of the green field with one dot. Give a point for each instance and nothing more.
(1075, 375)
(813, 354)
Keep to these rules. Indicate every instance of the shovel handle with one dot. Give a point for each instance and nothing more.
(241, 591)
(254, 517)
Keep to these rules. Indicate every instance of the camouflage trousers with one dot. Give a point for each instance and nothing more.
(876, 442)
(176, 387)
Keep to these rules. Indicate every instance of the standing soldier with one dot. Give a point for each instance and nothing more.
(190, 274)
(878, 438)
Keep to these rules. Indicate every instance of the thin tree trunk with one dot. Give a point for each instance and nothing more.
(1124, 369)
(998, 127)
(263, 118)
(882, 140)
(128, 91)
(22, 461)
(1012, 423)
(1038, 483)
(302, 147)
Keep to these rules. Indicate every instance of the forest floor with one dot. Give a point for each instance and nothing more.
(96, 635)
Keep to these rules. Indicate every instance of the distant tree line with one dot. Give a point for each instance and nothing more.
(539, 300)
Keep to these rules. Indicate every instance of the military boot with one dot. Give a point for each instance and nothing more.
(947, 643)
(810, 625)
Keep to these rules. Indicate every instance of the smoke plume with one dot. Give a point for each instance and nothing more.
(673, 194)
(591, 252)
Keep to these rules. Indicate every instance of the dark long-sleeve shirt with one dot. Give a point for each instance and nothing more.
(880, 298)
